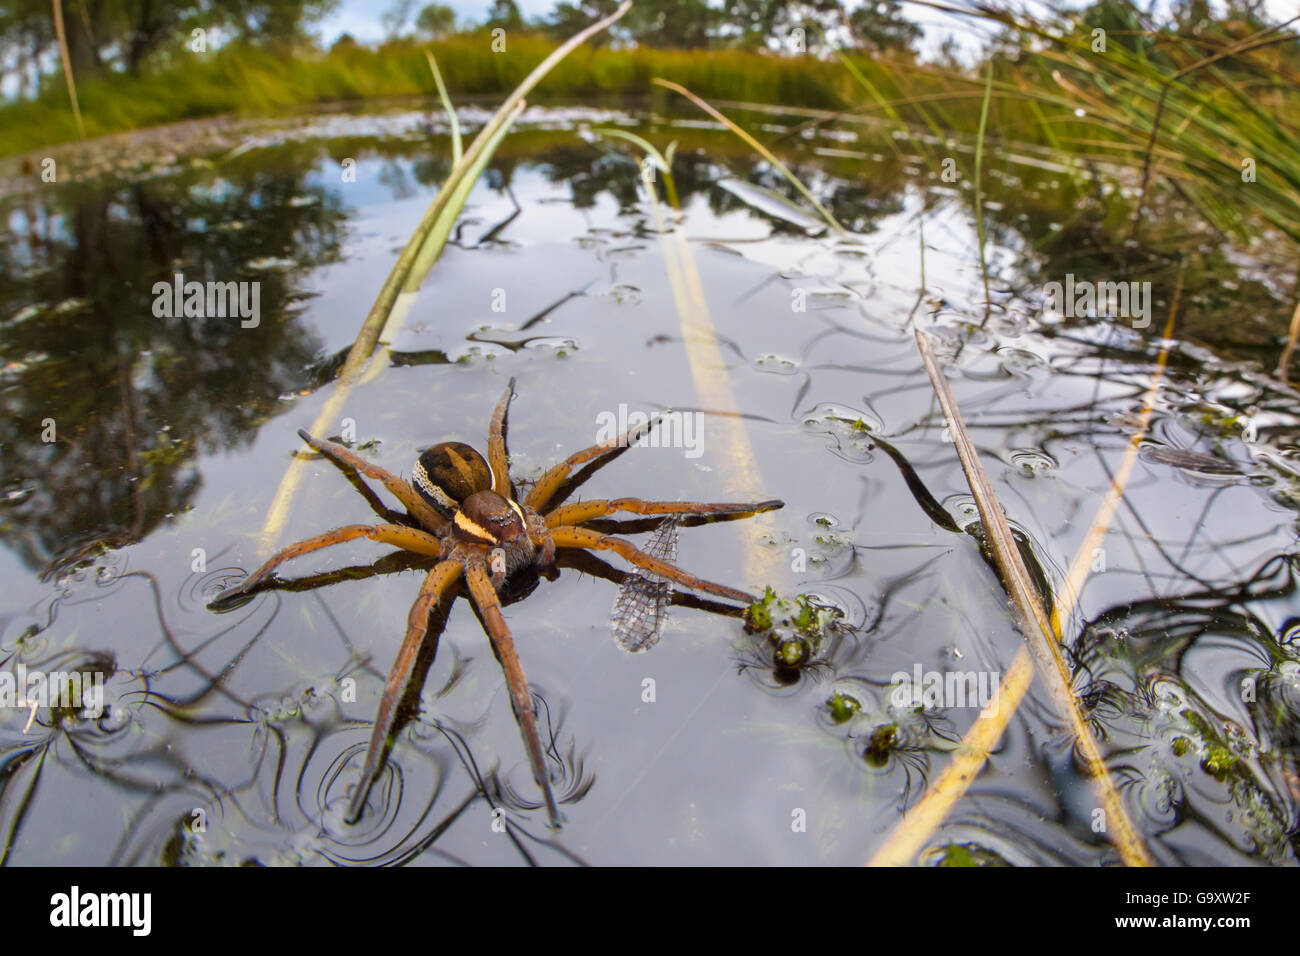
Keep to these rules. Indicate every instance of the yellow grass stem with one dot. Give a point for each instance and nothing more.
(1032, 621)
(67, 66)
(979, 189)
(911, 835)
(1285, 363)
(453, 121)
(708, 371)
(762, 150)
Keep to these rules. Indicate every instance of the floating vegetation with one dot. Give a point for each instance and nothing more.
(962, 855)
(795, 633)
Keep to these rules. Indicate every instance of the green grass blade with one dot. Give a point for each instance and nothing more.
(403, 275)
(436, 241)
(452, 119)
(762, 150)
(979, 201)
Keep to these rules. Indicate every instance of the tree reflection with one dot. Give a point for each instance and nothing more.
(105, 404)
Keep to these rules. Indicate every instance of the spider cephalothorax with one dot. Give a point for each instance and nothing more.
(462, 510)
(457, 482)
(487, 518)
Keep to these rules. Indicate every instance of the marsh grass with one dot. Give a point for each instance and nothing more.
(257, 81)
(1181, 112)
(1186, 111)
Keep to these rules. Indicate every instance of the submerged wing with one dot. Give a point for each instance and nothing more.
(642, 603)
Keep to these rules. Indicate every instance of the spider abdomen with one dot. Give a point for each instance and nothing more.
(448, 473)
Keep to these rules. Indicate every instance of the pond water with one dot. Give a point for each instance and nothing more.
(143, 455)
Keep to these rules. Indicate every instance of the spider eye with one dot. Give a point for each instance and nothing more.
(448, 473)
(519, 511)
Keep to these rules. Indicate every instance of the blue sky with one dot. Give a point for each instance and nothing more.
(361, 18)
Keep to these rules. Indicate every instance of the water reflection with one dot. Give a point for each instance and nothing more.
(106, 405)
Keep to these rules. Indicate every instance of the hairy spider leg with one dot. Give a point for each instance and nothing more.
(403, 492)
(582, 511)
(440, 579)
(542, 492)
(567, 536)
(409, 539)
(382, 511)
(393, 562)
(485, 597)
(497, 455)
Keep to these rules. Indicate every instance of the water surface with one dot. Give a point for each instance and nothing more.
(236, 737)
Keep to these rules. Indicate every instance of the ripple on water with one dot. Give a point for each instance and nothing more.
(850, 429)
(1032, 462)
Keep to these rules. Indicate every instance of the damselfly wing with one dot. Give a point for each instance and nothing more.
(642, 603)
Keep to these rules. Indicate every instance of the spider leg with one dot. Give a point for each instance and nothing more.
(440, 579)
(381, 510)
(497, 446)
(541, 538)
(567, 536)
(549, 483)
(409, 539)
(581, 511)
(403, 492)
(585, 562)
(391, 563)
(480, 588)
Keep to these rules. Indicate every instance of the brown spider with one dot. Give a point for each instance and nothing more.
(462, 510)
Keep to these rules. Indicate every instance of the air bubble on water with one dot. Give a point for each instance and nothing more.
(1033, 463)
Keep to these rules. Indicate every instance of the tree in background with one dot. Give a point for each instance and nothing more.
(25, 40)
(1189, 17)
(396, 17)
(272, 22)
(436, 21)
(877, 27)
(127, 35)
(567, 18)
(757, 24)
(686, 24)
(881, 27)
(103, 34)
(505, 14)
(752, 22)
(1123, 22)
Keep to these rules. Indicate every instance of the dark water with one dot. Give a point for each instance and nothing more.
(237, 737)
